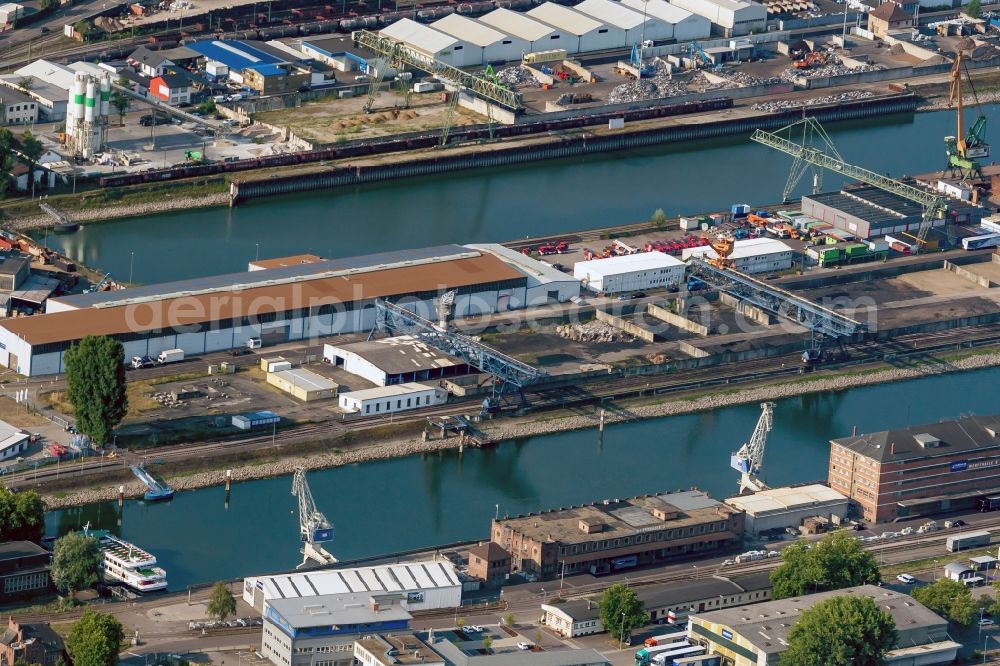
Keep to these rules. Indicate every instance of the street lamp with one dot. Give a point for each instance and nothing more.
(621, 634)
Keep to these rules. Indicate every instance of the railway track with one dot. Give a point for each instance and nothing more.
(912, 347)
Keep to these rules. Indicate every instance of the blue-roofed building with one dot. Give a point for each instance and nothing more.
(237, 55)
(276, 79)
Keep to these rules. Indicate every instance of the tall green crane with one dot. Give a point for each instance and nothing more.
(825, 156)
(964, 150)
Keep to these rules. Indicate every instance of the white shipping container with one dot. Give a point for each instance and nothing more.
(690, 223)
(427, 86)
(880, 245)
(616, 123)
(991, 224)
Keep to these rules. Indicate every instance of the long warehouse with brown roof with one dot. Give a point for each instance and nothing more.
(297, 302)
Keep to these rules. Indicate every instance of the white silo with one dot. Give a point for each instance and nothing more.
(106, 95)
(70, 111)
(88, 112)
(79, 96)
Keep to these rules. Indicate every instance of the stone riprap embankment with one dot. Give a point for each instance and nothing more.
(508, 429)
(117, 212)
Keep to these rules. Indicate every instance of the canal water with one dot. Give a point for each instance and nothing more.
(485, 206)
(420, 501)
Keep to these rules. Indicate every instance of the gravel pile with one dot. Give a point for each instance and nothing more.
(784, 105)
(516, 77)
(833, 68)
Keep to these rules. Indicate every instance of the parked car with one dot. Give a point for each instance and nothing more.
(958, 523)
(151, 119)
(521, 645)
(986, 622)
(906, 578)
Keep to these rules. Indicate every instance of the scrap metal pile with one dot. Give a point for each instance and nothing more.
(744, 79)
(833, 67)
(701, 83)
(657, 86)
(593, 331)
(516, 77)
(785, 104)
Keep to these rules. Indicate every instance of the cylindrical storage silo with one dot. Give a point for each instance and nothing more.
(88, 111)
(105, 95)
(71, 110)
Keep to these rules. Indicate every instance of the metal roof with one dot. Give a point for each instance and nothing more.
(327, 610)
(49, 72)
(468, 30)
(629, 263)
(742, 249)
(664, 11)
(537, 270)
(402, 577)
(612, 13)
(269, 69)
(307, 379)
(390, 391)
(250, 279)
(398, 355)
(565, 18)
(975, 435)
(786, 499)
(419, 36)
(517, 24)
(234, 54)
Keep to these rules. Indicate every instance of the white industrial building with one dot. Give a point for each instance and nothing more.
(395, 360)
(582, 32)
(493, 45)
(13, 441)
(394, 398)
(778, 508)
(631, 272)
(538, 35)
(220, 312)
(687, 25)
(428, 585)
(729, 17)
(637, 27)
(754, 255)
(546, 284)
(437, 45)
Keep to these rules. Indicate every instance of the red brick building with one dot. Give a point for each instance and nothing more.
(886, 474)
(33, 643)
(489, 562)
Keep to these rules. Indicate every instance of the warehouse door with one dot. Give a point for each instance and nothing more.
(274, 335)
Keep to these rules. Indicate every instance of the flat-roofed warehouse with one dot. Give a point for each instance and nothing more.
(757, 634)
(538, 35)
(686, 25)
(435, 44)
(546, 283)
(395, 360)
(636, 26)
(582, 32)
(428, 585)
(277, 305)
(729, 17)
(778, 508)
(493, 45)
(618, 533)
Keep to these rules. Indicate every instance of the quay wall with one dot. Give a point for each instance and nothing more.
(562, 147)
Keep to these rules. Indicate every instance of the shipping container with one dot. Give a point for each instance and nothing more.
(967, 540)
(856, 250)
(170, 356)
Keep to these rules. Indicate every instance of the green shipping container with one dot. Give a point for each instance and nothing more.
(857, 250)
(829, 254)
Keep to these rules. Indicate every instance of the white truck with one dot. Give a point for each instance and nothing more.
(142, 362)
(170, 356)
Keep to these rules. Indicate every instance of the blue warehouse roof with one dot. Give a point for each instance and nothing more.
(269, 70)
(234, 54)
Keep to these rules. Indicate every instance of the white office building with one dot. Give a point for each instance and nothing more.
(754, 255)
(632, 272)
(394, 398)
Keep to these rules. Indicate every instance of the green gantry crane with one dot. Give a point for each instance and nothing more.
(964, 150)
(825, 156)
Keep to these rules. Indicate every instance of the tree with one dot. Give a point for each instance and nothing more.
(841, 631)
(659, 218)
(121, 103)
(95, 640)
(621, 611)
(974, 9)
(207, 107)
(509, 619)
(488, 642)
(221, 604)
(22, 516)
(76, 563)
(95, 383)
(460, 622)
(836, 562)
(50, 5)
(32, 149)
(950, 599)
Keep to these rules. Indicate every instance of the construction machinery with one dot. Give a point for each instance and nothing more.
(750, 458)
(964, 149)
(696, 53)
(815, 149)
(724, 244)
(314, 528)
(814, 59)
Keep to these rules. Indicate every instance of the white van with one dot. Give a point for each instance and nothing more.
(254, 343)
